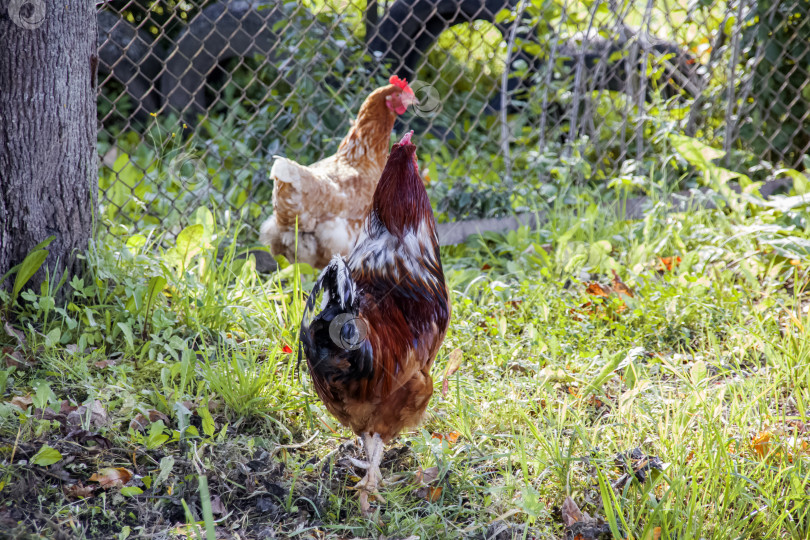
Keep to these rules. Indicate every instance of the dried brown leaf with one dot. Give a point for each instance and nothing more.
(216, 505)
(619, 287)
(570, 512)
(78, 491)
(14, 358)
(761, 443)
(139, 422)
(454, 362)
(13, 332)
(427, 476)
(102, 364)
(97, 412)
(666, 264)
(596, 289)
(112, 477)
(23, 402)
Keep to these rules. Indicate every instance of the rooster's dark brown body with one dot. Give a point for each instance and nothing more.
(383, 315)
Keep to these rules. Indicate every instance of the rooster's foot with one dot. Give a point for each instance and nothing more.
(359, 463)
(368, 489)
(370, 482)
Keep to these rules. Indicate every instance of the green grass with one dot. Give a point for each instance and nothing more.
(705, 368)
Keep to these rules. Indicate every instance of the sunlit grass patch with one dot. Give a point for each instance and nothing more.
(654, 371)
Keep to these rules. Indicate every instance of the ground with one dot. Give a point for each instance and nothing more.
(601, 378)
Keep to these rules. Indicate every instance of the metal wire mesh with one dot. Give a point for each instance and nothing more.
(196, 97)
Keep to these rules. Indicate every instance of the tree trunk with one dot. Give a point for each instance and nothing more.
(48, 163)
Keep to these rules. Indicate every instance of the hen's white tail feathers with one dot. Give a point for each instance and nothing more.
(288, 171)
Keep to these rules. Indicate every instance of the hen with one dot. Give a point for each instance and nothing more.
(382, 317)
(330, 197)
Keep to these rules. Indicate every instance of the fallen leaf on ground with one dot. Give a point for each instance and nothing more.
(570, 512)
(141, 421)
(596, 289)
(23, 402)
(619, 286)
(112, 477)
(761, 443)
(433, 493)
(216, 505)
(14, 333)
(14, 358)
(426, 476)
(78, 491)
(580, 526)
(636, 463)
(666, 264)
(82, 437)
(96, 411)
(451, 437)
(104, 363)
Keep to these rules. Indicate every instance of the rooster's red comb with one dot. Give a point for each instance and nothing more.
(402, 83)
(406, 139)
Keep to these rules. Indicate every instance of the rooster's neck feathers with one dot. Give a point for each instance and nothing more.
(409, 260)
(400, 201)
(369, 136)
(398, 246)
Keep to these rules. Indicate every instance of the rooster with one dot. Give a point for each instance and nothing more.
(382, 317)
(330, 197)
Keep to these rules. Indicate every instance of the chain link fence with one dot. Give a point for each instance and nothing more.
(518, 98)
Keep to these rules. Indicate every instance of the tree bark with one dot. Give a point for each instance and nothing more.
(48, 162)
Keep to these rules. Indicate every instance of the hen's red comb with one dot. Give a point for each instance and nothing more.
(402, 83)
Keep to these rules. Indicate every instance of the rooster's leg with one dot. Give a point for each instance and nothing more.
(368, 485)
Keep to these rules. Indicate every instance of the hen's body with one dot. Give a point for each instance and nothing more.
(330, 197)
(383, 316)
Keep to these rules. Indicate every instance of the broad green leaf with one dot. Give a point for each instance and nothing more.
(790, 247)
(52, 338)
(166, 465)
(204, 217)
(128, 337)
(156, 436)
(801, 183)
(156, 286)
(43, 395)
(46, 456)
(188, 244)
(208, 425)
(32, 262)
(136, 242)
(701, 155)
(611, 366)
(131, 491)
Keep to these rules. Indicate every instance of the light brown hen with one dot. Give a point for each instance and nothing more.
(330, 197)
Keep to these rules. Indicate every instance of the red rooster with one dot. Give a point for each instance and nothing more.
(382, 317)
